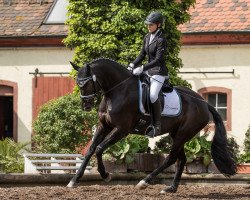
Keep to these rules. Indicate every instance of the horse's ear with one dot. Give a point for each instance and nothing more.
(75, 66)
(88, 68)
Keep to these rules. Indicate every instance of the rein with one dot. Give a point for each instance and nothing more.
(117, 85)
(82, 82)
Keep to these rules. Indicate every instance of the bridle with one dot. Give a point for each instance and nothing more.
(83, 81)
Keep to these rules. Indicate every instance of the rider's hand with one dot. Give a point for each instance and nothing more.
(131, 67)
(137, 71)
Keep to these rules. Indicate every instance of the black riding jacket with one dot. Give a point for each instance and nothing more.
(155, 52)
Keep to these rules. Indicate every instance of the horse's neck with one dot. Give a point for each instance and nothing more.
(109, 78)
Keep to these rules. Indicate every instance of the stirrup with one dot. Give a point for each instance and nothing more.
(148, 130)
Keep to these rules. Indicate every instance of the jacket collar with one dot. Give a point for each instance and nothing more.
(159, 32)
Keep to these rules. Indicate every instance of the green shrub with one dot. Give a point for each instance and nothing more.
(247, 140)
(11, 160)
(235, 148)
(163, 146)
(62, 126)
(245, 156)
(123, 151)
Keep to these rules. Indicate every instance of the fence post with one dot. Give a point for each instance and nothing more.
(29, 168)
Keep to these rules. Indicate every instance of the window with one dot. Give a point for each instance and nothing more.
(221, 99)
(57, 13)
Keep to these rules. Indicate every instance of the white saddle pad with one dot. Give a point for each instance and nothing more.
(172, 103)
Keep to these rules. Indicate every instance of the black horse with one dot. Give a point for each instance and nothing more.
(119, 115)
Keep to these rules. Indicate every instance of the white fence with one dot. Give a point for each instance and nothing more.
(52, 163)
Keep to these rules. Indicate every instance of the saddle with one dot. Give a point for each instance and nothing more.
(145, 95)
(169, 97)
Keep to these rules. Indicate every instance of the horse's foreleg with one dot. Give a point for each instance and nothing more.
(99, 136)
(114, 137)
(180, 167)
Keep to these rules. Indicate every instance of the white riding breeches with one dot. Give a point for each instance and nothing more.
(156, 82)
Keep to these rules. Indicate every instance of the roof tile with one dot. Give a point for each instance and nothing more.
(25, 18)
(218, 15)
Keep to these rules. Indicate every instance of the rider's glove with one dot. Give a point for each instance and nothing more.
(131, 67)
(137, 71)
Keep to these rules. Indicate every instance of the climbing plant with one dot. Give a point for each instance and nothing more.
(115, 29)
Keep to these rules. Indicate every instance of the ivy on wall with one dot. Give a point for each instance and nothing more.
(115, 29)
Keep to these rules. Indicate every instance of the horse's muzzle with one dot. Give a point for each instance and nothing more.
(86, 106)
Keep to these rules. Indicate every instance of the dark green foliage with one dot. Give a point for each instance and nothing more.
(115, 29)
(234, 147)
(163, 146)
(245, 156)
(62, 126)
(247, 141)
(124, 150)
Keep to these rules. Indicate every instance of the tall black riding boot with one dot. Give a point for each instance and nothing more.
(156, 111)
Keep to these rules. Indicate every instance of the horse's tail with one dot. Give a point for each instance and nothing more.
(222, 154)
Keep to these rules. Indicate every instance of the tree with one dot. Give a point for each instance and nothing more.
(115, 29)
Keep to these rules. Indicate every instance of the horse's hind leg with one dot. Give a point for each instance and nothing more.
(177, 151)
(171, 159)
(180, 167)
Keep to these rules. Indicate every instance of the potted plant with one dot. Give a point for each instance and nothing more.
(125, 154)
(244, 160)
(198, 153)
(244, 166)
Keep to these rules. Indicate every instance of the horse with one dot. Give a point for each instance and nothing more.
(119, 115)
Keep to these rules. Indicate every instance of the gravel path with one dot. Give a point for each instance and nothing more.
(125, 192)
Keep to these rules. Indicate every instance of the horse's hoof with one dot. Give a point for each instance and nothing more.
(142, 185)
(108, 179)
(71, 184)
(168, 190)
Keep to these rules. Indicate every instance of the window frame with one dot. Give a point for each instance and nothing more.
(54, 22)
(220, 90)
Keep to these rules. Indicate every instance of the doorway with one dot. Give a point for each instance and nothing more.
(6, 117)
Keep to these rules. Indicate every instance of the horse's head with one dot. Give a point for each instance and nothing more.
(85, 80)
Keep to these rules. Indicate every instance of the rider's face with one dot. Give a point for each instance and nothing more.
(152, 27)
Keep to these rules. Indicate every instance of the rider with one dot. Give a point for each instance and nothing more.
(154, 47)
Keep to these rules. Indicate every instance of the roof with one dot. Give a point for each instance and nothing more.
(25, 18)
(212, 22)
(218, 16)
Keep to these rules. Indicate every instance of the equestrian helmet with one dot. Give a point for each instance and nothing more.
(154, 18)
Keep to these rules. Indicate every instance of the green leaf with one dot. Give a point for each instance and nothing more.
(11, 159)
(129, 158)
(207, 159)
